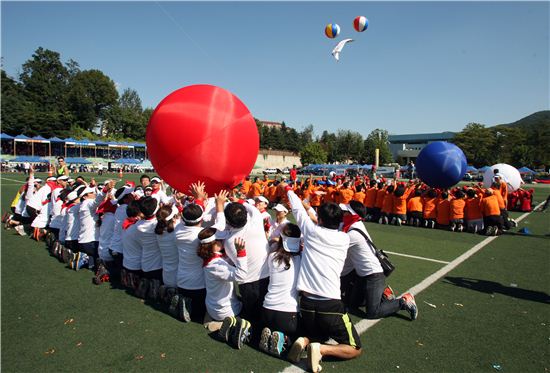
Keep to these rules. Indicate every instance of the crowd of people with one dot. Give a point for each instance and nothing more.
(469, 208)
(296, 282)
(190, 252)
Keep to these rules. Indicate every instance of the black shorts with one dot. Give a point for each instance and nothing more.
(286, 322)
(89, 248)
(198, 307)
(72, 245)
(32, 212)
(17, 217)
(415, 214)
(324, 319)
(153, 275)
(252, 297)
(55, 232)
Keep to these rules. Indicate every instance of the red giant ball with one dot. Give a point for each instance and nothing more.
(202, 133)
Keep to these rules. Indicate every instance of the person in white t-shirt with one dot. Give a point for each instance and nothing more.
(151, 259)
(157, 191)
(221, 299)
(280, 308)
(132, 250)
(167, 219)
(277, 224)
(323, 313)
(261, 204)
(363, 269)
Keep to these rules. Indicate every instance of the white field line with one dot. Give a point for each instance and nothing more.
(417, 257)
(363, 325)
(17, 181)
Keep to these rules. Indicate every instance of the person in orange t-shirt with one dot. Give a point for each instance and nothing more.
(457, 211)
(414, 209)
(370, 199)
(491, 213)
(359, 195)
(331, 192)
(429, 203)
(443, 211)
(400, 195)
(473, 213)
(379, 201)
(245, 187)
(345, 194)
(316, 195)
(386, 213)
(255, 189)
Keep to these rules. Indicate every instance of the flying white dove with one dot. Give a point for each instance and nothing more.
(338, 48)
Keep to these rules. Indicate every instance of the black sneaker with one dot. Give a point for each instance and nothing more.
(265, 339)
(240, 334)
(227, 324)
(184, 309)
(173, 308)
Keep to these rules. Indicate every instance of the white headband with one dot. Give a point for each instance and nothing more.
(209, 239)
(196, 220)
(173, 213)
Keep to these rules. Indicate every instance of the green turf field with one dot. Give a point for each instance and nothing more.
(490, 312)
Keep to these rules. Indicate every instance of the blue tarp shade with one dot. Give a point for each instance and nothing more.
(21, 138)
(138, 145)
(5, 136)
(70, 141)
(77, 160)
(526, 170)
(40, 139)
(484, 168)
(471, 169)
(127, 161)
(56, 139)
(28, 158)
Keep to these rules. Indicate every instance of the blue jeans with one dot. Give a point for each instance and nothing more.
(368, 292)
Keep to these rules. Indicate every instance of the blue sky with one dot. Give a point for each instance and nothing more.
(420, 67)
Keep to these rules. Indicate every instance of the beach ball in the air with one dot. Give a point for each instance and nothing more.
(441, 164)
(202, 133)
(360, 23)
(332, 30)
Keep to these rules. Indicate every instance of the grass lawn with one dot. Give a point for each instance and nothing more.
(491, 311)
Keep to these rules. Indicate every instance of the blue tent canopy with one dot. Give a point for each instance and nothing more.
(526, 170)
(5, 136)
(127, 161)
(471, 169)
(56, 139)
(27, 158)
(77, 160)
(21, 137)
(484, 168)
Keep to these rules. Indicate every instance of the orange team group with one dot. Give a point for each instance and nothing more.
(470, 208)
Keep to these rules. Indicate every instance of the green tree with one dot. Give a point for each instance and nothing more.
(91, 93)
(313, 153)
(127, 117)
(377, 139)
(349, 146)
(328, 141)
(478, 143)
(45, 80)
(18, 113)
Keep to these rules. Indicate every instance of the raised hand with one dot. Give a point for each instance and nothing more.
(239, 244)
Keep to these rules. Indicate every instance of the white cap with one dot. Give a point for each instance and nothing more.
(106, 182)
(51, 178)
(125, 192)
(70, 180)
(37, 180)
(72, 196)
(280, 208)
(347, 208)
(156, 179)
(291, 244)
(262, 199)
(61, 178)
(251, 201)
(88, 190)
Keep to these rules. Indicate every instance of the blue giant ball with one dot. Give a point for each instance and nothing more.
(441, 164)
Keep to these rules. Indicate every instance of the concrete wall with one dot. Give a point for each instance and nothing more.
(277, 159)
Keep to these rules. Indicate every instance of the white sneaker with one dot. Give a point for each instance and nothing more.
(314, 357)
(295, 352)
(20, 230)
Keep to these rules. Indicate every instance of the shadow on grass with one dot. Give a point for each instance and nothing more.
(491, 287)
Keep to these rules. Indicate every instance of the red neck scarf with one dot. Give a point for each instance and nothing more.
(128, 222)
(214, 256)
(106, 206)
(349, 220)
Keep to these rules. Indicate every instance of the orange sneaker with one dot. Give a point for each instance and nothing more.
(388, 293)
(410, 305)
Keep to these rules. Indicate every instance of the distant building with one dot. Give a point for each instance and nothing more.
(271, 124)
(406, 148)
(277, 159)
